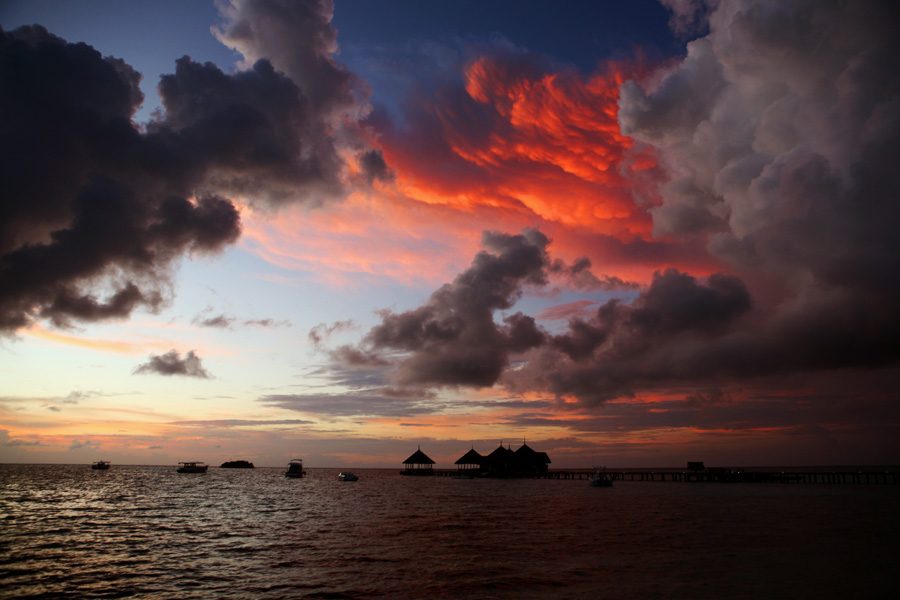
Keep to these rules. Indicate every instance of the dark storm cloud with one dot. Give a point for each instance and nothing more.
(625, 348)
(171, 363)
(780, 136)
(453, 338)
(94, 212)
(252, 133)
(298, 39)
(797, 405)
(374, 166)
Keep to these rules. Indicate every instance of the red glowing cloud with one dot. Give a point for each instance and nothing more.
(512, 145)
(539, 143)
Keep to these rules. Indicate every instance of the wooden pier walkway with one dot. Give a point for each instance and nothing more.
(718, 475)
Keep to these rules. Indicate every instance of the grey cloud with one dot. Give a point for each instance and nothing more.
(364, 404)
(579, 276)
(224, 321)
(453, 339)
(217, 321)
(87, 444)
(689, 16)
(252, 132)
(171, 363)
(298, 39)
(96, 211)
(241, 422)
(321, 332)
(16, 442)
(780, 138)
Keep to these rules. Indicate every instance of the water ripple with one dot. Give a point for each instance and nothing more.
(149, 532)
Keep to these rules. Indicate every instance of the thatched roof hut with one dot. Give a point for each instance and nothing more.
(470, 460)
(500, 459)
(504, 462)
(418, 464)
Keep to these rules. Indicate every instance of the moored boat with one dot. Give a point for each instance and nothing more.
(192, 467)
(101, 465)
(347, 476)
(295, 468)
(600, 478)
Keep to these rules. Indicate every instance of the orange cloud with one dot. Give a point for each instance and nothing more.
(40, 332)
(513, 147)
(546, 142)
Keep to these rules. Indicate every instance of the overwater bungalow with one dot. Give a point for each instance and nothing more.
(470, 462)
(418, 464)
(504, 462)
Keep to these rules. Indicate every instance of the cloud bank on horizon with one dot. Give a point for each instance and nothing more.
(740, 199)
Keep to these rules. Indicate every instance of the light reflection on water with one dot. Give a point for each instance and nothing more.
(68, 531)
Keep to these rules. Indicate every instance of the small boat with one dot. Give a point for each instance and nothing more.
(192, 467)
(101, 465)
(600, 478)
(347, 476)
(295, 468)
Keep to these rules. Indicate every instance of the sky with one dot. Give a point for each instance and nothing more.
(625, 233)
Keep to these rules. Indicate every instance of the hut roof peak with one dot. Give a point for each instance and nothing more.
(418, 458)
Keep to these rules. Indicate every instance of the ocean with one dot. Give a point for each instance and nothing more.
(148, 532)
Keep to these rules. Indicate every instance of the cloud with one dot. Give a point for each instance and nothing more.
(97, 211)
(217, 321)
(525, 134)
(94, 212)
(83, 445)
(362, 404)
(252, 134)
(222, 321)
(17, 442)
(580, 308)
(171, 363)
(689, 16)
(298, 39)
(770, 144)
(779, 142)
(241, 422)
(454, 338)
(321, 332)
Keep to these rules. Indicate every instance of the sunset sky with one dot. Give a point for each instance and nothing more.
(629, 233)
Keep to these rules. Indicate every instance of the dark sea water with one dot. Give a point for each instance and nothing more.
(147, 532)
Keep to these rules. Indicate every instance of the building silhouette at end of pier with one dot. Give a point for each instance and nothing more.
(504, 462)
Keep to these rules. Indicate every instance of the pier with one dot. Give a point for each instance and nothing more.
(722, 475)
